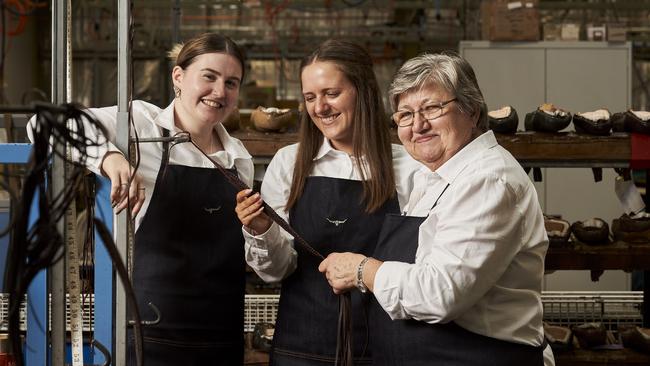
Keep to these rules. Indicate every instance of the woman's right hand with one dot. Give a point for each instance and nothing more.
(118, 170)
(250, 212)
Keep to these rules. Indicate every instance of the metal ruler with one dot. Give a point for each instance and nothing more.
(72, 278)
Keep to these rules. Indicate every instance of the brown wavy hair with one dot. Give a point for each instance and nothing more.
(184, 54)
(370, 130)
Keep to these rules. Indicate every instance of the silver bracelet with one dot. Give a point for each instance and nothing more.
(360, 285)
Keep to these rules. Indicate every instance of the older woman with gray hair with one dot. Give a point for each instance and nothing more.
(457, 278)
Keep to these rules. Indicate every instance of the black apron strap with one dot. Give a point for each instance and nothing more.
(330, 215)
(164, 160)
(438, 199)
(416, 343)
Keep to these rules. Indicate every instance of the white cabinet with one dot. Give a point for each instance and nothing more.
(577, 76)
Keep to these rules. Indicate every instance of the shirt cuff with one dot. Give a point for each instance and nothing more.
(388, 289)
(269, 254)
(260, 241)
(257, 246)
(97, 154)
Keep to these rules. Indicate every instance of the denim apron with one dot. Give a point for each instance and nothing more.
(189, 262)
(331, 218)
(414, 343)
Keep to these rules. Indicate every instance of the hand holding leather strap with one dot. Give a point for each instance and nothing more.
(344, 351)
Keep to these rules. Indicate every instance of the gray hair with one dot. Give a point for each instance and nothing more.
(446, 70)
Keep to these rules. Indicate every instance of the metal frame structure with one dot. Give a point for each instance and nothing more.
(113, 338)
(37, 294)
(121, 234)
(37, 307)
(60, 87)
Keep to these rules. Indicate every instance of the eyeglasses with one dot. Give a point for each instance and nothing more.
(428, 112)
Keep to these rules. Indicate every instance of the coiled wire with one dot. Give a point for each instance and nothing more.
(35, 247)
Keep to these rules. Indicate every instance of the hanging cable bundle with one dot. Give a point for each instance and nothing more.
(34, 247)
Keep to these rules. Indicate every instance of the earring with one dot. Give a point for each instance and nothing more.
(177, 92)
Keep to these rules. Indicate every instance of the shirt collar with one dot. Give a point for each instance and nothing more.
(232, 146)
(452, 167)
(325, 149)
(165, 119)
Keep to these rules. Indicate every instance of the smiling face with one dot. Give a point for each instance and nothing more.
(209, 89)
(434, 142)
(330, 100)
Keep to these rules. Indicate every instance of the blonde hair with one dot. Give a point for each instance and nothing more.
(174, 52)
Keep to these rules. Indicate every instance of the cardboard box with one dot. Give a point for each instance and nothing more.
(510, 20)
(570, 32)
(596, 33)
(616, 32)
(552, 32)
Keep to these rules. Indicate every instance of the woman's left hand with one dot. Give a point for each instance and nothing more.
(340, 269)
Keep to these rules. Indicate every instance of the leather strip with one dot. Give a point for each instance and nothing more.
(344, 351)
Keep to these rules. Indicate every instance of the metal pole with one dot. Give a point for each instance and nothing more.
(59, 87)
(176, 34)
(646, 273)
(122, 142)
(176, 22)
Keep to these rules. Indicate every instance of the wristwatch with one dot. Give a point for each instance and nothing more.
(360, 285)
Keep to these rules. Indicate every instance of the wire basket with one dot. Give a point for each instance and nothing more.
(560, 308)
(563, 308)
(260, 309)
(610, 308)
(4, 313)
(87, 312)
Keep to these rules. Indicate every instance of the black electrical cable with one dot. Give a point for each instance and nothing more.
(88, 245)
(104, 351)
(123, 274)
(36, 246)
(131, 87)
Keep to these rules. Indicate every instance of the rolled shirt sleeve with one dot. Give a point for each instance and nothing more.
(94, 154)
(271, 254)
(465, 245)
(480, 254)
(149, 120)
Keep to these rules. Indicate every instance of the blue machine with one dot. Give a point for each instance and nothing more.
(36, 345)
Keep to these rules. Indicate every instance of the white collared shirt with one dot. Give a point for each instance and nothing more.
(480, 256)
(148, 120)
(271, 254)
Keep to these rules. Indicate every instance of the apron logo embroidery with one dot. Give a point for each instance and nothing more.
(211, 210)
(336, 222)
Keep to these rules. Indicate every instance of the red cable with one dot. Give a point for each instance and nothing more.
(32, 4)
(22, 19)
